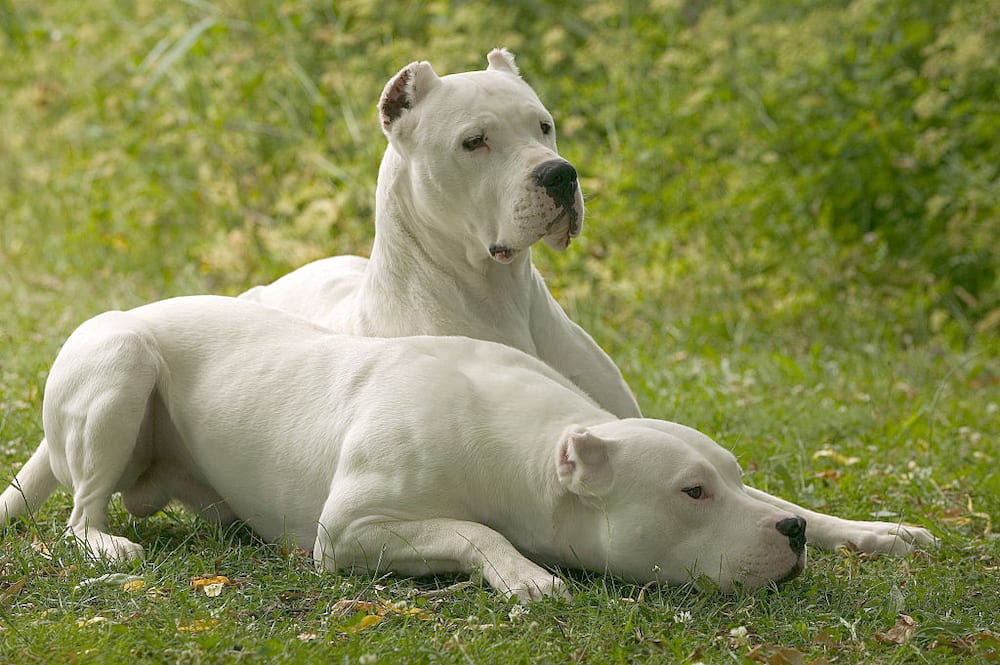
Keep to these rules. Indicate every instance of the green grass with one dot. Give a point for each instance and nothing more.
(791, 245)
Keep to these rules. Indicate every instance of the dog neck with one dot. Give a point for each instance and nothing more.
(440, 281)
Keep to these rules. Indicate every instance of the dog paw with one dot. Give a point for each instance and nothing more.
(537, 587)
(883, 538)
(105, 546)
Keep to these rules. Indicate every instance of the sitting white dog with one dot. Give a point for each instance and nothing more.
(419, 455)
(470, 180)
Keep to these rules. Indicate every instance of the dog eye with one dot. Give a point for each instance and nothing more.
(546, 127)
(693, 492)
(474, 142)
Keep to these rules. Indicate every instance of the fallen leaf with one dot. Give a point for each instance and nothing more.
(956, 521)
(900, 633)
(373, 613)
(156, 592)
(367, 621)
(984, 639)
(307, 637)
(133, 586)
(347, 605)
(8, 592)
(775, 655)
(91, 621)
(198, 625)
(216, 582)
(41, 548)
(840, 458)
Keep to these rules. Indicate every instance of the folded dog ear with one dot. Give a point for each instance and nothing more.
(502, 60)
(404, 90)
(582, 462)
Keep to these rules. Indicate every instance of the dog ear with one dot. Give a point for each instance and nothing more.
(404, 90)
(502, 60)
(582, 462)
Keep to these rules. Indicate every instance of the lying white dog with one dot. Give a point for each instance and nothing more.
(470, 180)
(419, 455)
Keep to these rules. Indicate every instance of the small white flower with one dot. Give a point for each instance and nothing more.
(213, 590)
(517, 612)
(738, 636)
(683, 617)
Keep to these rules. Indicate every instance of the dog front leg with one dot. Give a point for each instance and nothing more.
(431, 546)
(572, 352)
(830, 533)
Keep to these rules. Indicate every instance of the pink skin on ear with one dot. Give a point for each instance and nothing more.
(500, 59)
(582, 462)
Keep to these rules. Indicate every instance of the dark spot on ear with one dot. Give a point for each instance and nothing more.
(396, 98)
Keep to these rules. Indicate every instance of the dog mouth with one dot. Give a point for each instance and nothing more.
(502, 253)
(796, 570)
(557, 233)
(562, 229)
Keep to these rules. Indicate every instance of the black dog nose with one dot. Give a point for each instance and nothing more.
(558, 177)
(795, 529)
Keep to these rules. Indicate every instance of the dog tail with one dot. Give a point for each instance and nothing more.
(33, 484)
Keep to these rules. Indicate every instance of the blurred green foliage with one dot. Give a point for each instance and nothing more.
(788, 158)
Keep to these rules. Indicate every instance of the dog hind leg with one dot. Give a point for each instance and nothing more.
(97, 407)
(33, 484)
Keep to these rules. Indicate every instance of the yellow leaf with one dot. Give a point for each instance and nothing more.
(202, 582)
(198, 625)
(133, 586)
(366, 622)
(839, 458)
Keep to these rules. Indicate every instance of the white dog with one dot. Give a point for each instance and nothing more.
(470, 180)
(418, 455)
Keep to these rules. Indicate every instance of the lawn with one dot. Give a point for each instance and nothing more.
(790, 244)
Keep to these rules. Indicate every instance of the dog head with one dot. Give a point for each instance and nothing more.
(477, 155)
(667, 504)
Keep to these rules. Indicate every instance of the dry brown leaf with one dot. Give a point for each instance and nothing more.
(900, 633)
(10, 591)
(373, 613)
(346, 606)
(771, 654)
(41, 547)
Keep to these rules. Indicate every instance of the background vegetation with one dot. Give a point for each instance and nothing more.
(791, 245)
